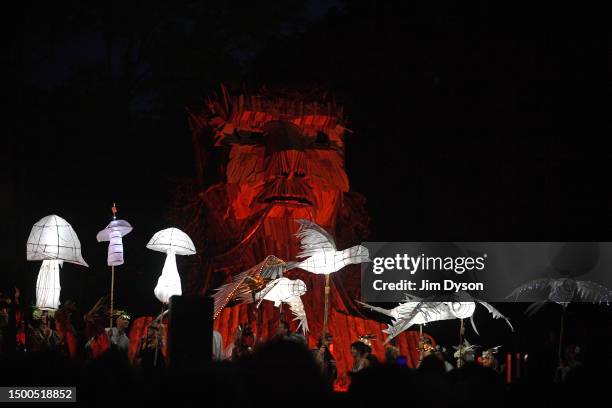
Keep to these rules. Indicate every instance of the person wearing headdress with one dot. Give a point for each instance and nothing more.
(117, 335)
(425, 348)
(41, 334)
(150, 348)
(465, 353)
(489, 358)
(367, 340)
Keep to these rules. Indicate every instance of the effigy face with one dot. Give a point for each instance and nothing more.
(289, 172)
(267, 161)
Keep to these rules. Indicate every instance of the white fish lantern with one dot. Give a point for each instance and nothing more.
(114, 233)
(53, 241)
(171, 241)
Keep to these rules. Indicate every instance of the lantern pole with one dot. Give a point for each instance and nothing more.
(461, 333)
(112, 295)
(159, 334)
(420, 343)
(326, 310)
(561, 336)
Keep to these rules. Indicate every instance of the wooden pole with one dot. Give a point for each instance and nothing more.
(326, 310)
(159, 335)
(561, 337)
(112, 295)
(461, 332)
(421, 343)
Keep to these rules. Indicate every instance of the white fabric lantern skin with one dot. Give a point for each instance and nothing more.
(416, 311)
(283, 290)
(169, 283)
(434, 311)
(53, 241)
(173, 242)
(114, 233)
(48, 287)
(288, 291)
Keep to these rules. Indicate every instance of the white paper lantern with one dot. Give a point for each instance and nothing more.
(288, 291)
(283, 289)
(416, 311)
(53, 241)
(173, 242)
(114, 233)
(319, 253)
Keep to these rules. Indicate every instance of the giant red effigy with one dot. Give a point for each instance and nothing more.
(263, 161)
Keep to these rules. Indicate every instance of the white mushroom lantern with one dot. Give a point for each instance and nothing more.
(171, 241)
(114, 233)
(53, 241)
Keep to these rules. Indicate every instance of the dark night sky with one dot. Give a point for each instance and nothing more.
(474, 122)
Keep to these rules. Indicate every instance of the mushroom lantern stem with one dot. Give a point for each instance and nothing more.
(169, 283)
(48, 285)
(115, 247)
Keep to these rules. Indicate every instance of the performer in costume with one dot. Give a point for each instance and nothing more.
(117, 334)
(325, 359)
(489, 358)
(425, 348)
(41, 335)
(465, 353)
(149, 350)
(367, 340)
(243, 344)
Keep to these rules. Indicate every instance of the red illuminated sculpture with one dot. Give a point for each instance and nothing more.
(263, 161)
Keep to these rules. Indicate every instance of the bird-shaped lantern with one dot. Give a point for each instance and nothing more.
(562, 291)
(419, 311)
(245, 286)
(287, 291)
(320, 256)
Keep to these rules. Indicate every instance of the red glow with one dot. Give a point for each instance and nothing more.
(263, 162)
(509, 368)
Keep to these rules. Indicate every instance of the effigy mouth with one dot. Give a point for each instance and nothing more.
(288, 200)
